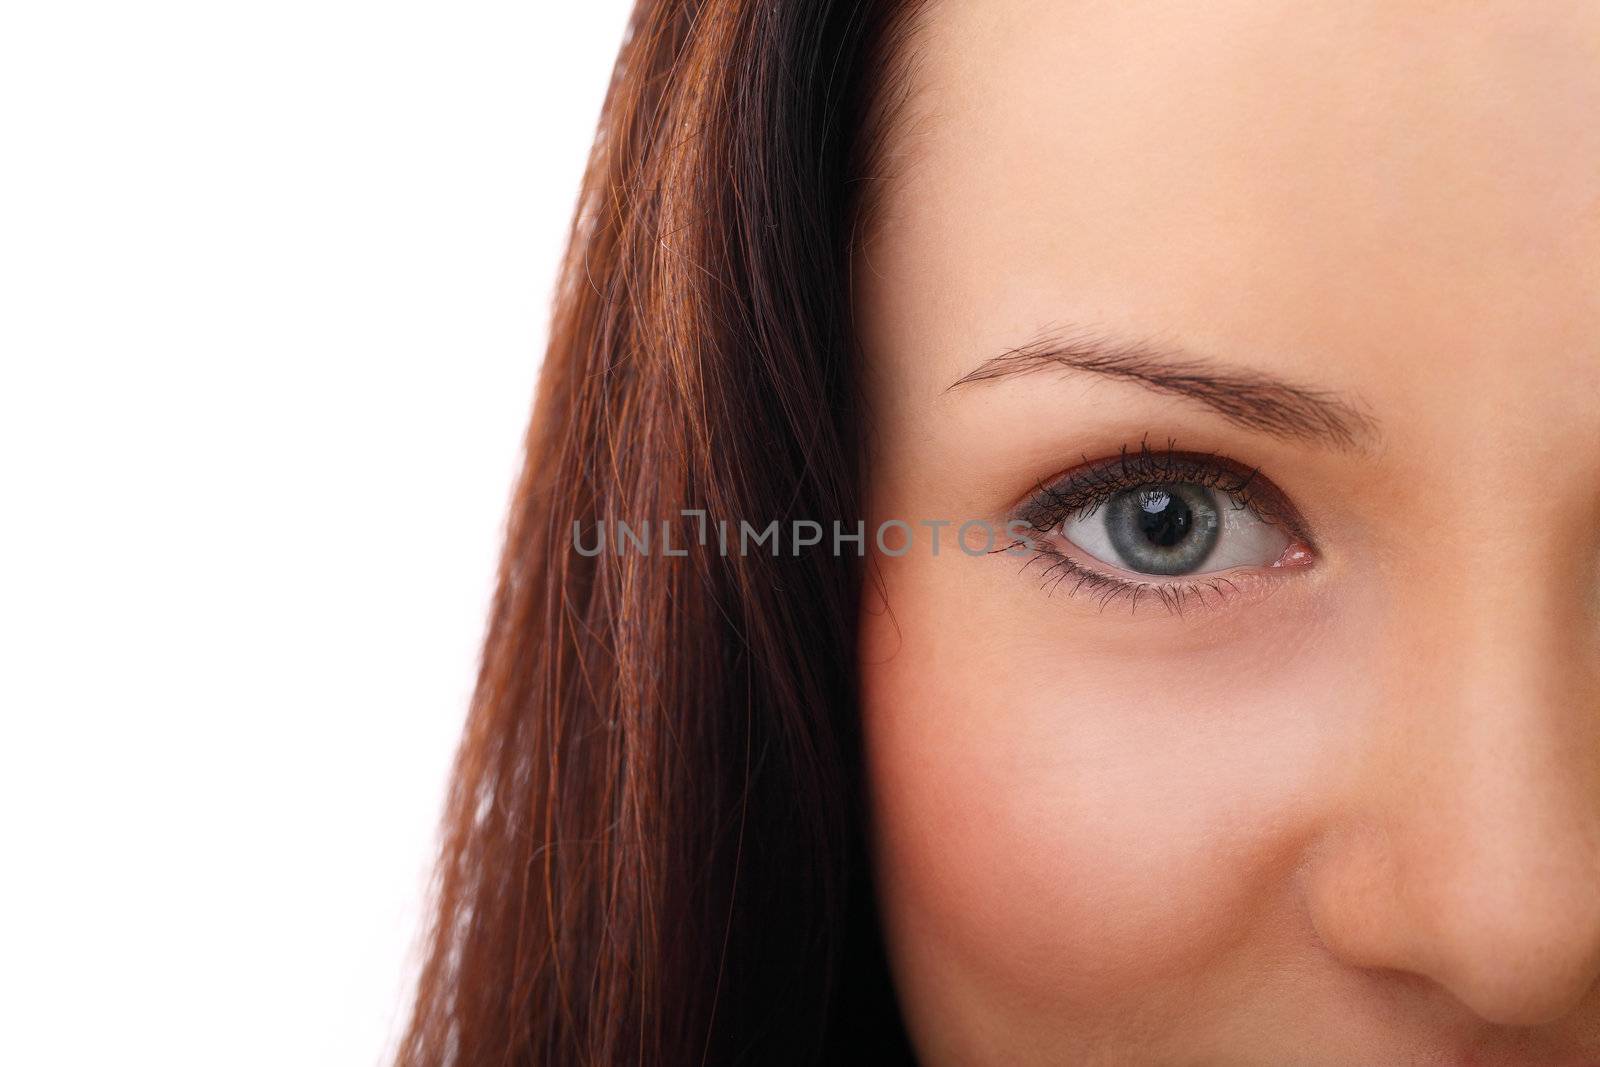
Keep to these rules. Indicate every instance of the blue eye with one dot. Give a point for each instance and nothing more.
(1163, 529)
(1176, 528)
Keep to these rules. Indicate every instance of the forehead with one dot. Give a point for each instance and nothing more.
(1295, 181)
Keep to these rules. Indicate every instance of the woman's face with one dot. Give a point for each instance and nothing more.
(1279, 325)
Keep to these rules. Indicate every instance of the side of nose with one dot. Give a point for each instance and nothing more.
(1469, 849)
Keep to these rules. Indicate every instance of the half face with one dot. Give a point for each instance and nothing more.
(1272, 330)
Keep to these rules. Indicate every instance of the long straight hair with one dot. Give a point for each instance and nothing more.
(653, 848)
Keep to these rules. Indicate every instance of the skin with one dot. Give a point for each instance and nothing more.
(1349, 814)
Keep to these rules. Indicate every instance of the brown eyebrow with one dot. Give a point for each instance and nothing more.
(1248, 398)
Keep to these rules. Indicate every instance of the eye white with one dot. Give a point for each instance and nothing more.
(1244, 539)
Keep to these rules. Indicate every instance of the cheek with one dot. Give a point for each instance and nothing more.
(1067, 824)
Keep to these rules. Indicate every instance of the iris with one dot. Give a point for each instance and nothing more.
(1163, 529)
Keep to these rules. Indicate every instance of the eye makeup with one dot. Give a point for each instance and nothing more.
(1188, 529)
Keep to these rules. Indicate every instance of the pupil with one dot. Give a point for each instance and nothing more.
(1164, 519)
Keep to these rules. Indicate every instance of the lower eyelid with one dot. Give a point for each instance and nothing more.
(1063, 574)
(1060, 571)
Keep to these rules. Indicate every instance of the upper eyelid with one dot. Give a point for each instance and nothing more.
(1093, 481)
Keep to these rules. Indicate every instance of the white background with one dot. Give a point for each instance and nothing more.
(274, 281)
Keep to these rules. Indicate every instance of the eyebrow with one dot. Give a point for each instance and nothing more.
(1249, 398)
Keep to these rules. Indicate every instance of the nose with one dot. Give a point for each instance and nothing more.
(1468, 851)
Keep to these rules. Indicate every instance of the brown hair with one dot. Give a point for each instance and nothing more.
(653, 848)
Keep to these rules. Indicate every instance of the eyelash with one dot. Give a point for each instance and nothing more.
(1084, 489)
